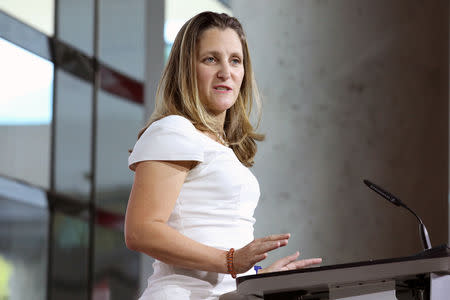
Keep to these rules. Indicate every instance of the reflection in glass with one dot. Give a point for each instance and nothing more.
(26, 95)
(37, 14)
(25, 114)
(177, 12)
(23, 241)
(76, 24)
(73, 136)
(122, 43)
(118, 280)
(69, 258)
(118, 122)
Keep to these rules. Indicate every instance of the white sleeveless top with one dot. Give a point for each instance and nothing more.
(215, 206)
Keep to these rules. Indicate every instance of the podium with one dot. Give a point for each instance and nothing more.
(422, 276)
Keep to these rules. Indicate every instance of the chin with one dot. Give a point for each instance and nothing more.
(219, 108)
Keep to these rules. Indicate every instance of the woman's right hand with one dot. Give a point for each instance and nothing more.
(246, 257)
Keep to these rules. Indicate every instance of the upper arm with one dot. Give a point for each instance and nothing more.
(155, 190)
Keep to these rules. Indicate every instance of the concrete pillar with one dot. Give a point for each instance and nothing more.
(154, 51)
(154, 65)
(352, 90)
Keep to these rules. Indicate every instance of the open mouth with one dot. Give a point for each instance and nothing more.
(222, 88)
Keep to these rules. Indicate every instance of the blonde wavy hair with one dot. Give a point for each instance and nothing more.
(177, 92)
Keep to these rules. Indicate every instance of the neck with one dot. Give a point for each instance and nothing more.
(219, 134)
(220, 121)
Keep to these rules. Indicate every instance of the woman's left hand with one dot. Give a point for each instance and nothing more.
(290, 263)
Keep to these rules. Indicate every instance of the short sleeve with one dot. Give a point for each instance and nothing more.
(170, 138)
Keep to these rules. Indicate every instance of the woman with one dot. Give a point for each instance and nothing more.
(193, 197)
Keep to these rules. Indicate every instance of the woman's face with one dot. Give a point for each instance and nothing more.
(220, 69)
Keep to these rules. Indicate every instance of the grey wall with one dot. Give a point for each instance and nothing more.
(352, 90)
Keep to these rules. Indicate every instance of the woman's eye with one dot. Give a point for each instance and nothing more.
(210, 59)
(236, 61)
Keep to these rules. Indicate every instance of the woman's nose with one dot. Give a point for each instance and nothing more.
(224, 71)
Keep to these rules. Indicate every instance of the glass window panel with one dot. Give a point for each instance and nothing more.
(25, 114)
(23, 241)
(22, 35)
(76, 24)
(118, 122)
(70, 258)
(38, 14)
(73, 136)
(122, 36)
(177, 12)
(116, 267)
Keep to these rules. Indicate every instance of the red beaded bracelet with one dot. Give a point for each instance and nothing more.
(230, 263)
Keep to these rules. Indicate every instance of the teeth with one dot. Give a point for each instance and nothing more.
(220, 88)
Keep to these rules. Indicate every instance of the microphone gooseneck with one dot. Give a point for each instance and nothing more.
(394, 200)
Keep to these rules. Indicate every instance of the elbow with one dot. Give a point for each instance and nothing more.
(131, 241)
(139, 237)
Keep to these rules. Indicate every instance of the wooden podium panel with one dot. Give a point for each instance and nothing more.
(414, 272)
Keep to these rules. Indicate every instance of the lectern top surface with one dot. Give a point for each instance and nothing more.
(436, 252)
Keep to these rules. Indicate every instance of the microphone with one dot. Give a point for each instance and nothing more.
(394, 200)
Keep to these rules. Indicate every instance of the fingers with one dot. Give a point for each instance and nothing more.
(276, 237)
(272, 242)
(284, 261)
(259, 258)
(256, 251)
(269, 246)
(269, 243)
(288, 259)
(262, 246)
(300, 264)
(291, 263)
